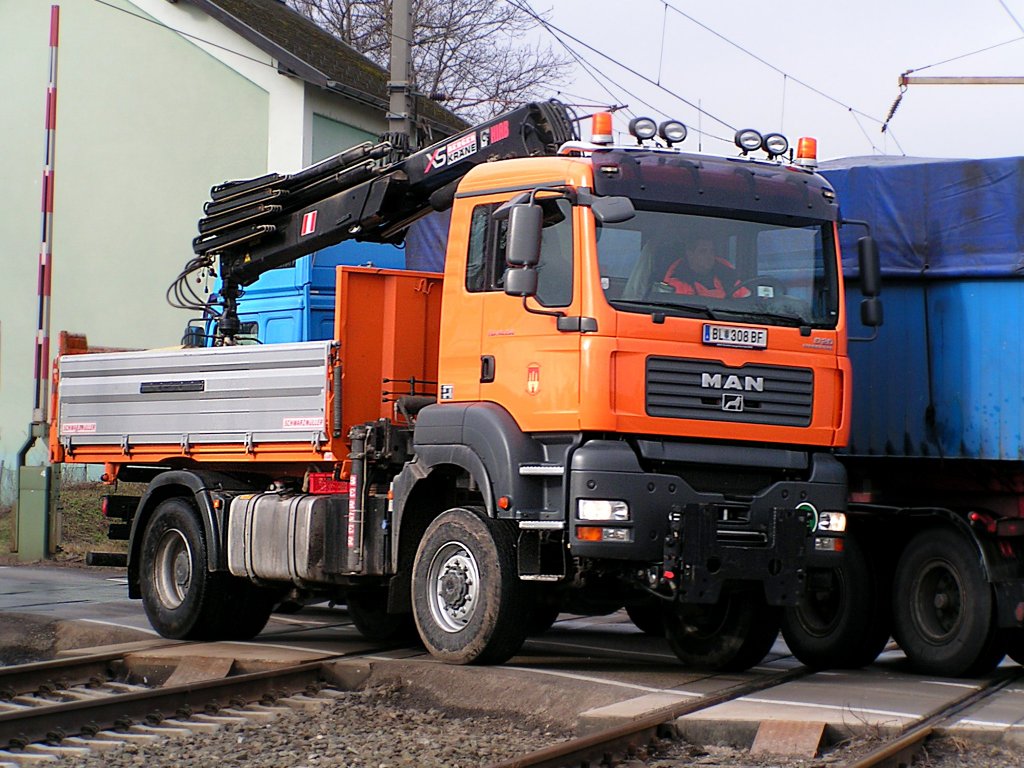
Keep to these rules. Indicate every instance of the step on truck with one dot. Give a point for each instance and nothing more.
(558, 422)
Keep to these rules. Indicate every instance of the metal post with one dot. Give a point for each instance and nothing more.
(401, 106)
(32, 512)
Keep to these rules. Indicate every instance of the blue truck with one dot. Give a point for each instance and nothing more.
(937, 440)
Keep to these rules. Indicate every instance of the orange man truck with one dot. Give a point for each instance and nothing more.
(548, 426)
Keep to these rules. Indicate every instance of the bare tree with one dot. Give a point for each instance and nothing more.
(474, 55)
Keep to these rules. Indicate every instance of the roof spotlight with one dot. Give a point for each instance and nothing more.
(775, 144)
(672, 131)
(643, 128)
(748, 140)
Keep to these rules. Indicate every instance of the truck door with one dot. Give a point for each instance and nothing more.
(526, 364)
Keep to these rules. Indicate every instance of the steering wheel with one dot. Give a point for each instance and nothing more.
(754, 283)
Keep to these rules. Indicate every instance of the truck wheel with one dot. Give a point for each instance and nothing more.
(368, 609)
(842, 620)
(942, 607)
(648, 617)
(180, 596)
(469, 604)
(730, 636)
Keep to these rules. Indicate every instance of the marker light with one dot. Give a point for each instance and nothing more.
(601, 128)
(748, 140)
(807, 152)
(672, 131)
(775, 144)
(643, 128)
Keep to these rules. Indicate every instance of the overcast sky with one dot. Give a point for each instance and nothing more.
(852, 51)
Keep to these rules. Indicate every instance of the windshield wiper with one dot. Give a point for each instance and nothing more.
(776, 318)
(695, 310)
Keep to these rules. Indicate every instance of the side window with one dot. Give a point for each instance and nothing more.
(485, 262)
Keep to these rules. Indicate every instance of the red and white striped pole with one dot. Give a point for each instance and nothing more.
(42, 359)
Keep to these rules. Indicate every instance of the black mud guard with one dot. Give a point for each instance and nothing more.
(483, 440)
(200, 486)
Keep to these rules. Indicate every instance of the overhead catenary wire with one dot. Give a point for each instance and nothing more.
(525, 7)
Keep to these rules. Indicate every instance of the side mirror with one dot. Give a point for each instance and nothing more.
(870, 271)
(521, 282)
(524, 235)
(871, 312)
(612, 210)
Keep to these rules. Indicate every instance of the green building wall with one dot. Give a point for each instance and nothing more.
(146, 123)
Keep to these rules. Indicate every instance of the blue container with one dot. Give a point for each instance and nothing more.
(296, 302)
(945, 377)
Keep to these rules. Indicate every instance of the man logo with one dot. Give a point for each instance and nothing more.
(733, 403)
(732, 381)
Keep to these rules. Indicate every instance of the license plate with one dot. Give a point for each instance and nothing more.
(732, 336)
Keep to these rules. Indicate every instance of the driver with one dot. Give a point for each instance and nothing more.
(700, 272)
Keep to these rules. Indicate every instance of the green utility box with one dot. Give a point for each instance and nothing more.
(32, 518)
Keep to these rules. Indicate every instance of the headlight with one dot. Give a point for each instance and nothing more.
(601, 509)
(748, 139)
(834, 522)
(643, 128)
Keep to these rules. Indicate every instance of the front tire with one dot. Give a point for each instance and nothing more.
(468, 602)
(733, 635)
(943, 607)
(842, 620)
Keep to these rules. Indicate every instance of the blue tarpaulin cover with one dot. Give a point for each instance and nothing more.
(934, 218)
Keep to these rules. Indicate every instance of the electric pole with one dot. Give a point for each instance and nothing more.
(401, 105)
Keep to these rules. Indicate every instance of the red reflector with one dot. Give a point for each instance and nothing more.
(504, 502)
(322, 483)
(840, 545)
(588, 533)
(104, 505)
(670, 575)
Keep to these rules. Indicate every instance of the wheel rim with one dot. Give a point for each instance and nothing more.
(820, 611)
(173, 568)
(454, 586)
(938, 602)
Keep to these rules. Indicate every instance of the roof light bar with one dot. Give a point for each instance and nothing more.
(748, 140)
(643, 128)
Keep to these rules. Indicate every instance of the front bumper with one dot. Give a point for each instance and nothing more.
(704, 539)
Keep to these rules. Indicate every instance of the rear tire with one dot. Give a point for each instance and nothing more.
(842, 620)
(468, 602)
(730, 636)
(943, 607)
(183, 600)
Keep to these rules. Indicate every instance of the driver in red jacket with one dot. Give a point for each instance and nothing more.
(701, 272)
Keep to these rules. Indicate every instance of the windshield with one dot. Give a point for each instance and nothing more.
(738, 270)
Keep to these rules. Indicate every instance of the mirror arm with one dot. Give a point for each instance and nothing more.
(548, 312)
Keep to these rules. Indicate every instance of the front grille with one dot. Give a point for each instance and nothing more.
(755, 394)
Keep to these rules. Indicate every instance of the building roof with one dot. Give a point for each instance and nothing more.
(304, 50)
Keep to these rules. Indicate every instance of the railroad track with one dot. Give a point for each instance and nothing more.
(66, 704)
(902, 748)
(609, 746)
(598, 748)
